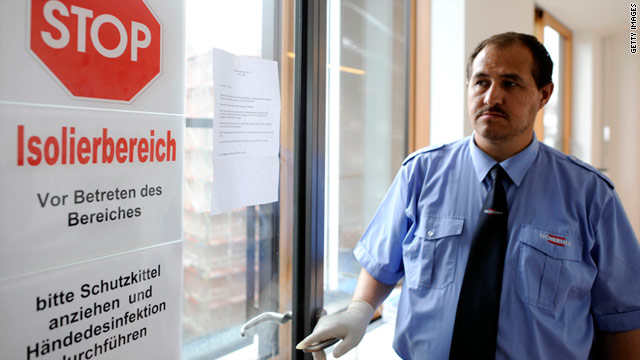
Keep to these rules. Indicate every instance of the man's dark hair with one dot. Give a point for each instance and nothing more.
(542, 64)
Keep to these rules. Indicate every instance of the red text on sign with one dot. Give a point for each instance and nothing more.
(67, 148)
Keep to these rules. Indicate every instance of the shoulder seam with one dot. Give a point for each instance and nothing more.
(576, 161)
(590, 168)
(431, 148)
(422, 151)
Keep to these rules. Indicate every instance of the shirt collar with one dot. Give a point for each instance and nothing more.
(516, 166)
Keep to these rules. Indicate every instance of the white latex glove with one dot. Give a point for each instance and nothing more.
(349, 325)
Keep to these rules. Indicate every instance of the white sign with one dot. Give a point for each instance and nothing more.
(91, 184)
(104, 309)
(246, 131)
(83, 183)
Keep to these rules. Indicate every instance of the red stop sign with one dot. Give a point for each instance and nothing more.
(96, 48)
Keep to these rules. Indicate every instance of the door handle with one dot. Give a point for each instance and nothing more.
(266, 317)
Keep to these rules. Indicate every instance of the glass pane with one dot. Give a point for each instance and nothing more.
(234, 268)
(553, 120)
(366, 128)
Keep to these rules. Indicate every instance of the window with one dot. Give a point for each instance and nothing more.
(235, 265)
(366, 127)
(553, 123)
(240, 263)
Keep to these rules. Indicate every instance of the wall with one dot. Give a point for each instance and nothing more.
(586, 122)
(447, 115)
(620, 96)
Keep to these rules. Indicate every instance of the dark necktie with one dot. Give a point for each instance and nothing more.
(476, 325)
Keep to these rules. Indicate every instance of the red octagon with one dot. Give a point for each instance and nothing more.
(97, 49)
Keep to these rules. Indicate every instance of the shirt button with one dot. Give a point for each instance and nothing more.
(430, 233)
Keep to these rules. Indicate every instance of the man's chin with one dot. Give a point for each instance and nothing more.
(491, 134)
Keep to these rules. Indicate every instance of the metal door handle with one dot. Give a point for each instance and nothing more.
(266, 317)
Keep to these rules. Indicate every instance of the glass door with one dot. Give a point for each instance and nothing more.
(348, 79)
(367, 127)
(237, 265)
(367, 78)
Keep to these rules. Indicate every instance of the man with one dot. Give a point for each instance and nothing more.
(569, 269)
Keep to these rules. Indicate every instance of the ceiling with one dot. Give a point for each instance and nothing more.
(602, 16)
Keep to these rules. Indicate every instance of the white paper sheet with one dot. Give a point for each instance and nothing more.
(246, 131)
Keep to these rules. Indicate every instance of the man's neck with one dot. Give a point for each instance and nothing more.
(502, 150)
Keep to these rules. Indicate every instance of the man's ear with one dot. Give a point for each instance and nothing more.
(546, 92)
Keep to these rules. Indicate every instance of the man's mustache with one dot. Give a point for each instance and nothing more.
(493, 109)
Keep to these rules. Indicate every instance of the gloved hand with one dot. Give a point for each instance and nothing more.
(349, 325)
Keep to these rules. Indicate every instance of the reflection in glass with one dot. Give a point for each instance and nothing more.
(231, 264)
(366, 128)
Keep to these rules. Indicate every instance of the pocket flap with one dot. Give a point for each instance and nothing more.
(555, 244)
(436, 227)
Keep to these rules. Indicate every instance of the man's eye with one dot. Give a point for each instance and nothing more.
(510, 84)
(482, 83)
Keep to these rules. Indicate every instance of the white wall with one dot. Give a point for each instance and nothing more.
(586, 122)
(606, 92)
(447, 116)
(621, 98)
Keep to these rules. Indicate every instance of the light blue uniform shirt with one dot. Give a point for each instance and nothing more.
(572, 264)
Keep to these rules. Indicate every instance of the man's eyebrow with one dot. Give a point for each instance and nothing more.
(509, 76)
(480, 74)
(514, 77)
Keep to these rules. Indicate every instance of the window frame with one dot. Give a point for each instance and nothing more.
(419, 81)
(309, 152)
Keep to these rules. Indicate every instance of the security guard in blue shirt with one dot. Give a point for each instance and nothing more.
(570, 284)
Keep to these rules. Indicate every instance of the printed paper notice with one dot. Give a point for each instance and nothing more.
(246, 131)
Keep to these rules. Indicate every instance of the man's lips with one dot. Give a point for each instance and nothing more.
(492, 114)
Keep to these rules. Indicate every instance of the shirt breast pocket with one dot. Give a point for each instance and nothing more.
(549, 268)
(430, 258)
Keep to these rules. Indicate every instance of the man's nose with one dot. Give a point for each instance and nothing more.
(494, 95)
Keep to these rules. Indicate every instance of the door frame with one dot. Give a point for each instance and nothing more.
(309, 164)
